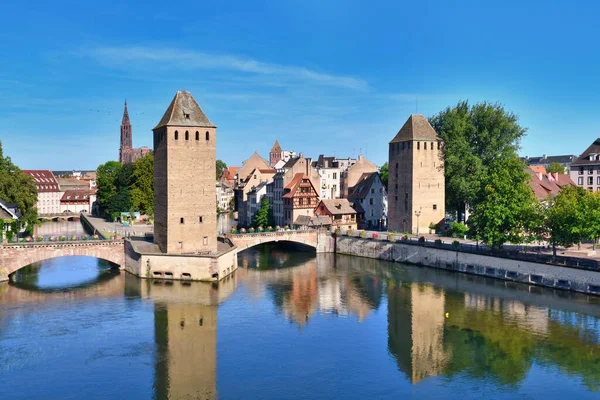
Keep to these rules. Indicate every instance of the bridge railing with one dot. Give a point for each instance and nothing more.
(252, 231)
(54, 239)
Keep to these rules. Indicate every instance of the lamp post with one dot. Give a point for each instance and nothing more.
(418, 214)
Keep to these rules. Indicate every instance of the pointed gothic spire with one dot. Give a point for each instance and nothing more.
(276, 147)
(125, 116)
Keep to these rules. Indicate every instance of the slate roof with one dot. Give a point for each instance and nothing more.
(416, 128)
(584, 159)
(291, 162)
(184, 111)
(338, 206)
(8, 211)
(44, 180)
(77, 195)
(325, 162)
(307, 220)
(362, 187)
(563, 159)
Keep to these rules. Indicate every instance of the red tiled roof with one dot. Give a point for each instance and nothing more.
(44, 180)
(538, 169)
(544, 185)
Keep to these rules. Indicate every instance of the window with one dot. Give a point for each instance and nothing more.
(372, 190)
(176, 135)
(435, 206)
(207, 135)
(418, 145)
(200, 219)
(180, 245)
(197, 135)
(181, 220)
(439, 145)
(205, 241)
(598, 180)
(371, 201)
(402, 145)
(580, 181)
(187, 135)
(431, 146)
(590, 180)
(335, 175)
(580, 170)
(590, 170)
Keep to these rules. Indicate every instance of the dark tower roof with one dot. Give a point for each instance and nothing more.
(276, 148)
(125, 116)
(416, 128)
(184, 111)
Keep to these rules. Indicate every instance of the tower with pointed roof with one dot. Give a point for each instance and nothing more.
(185, 216)
(126, 140)
(416, 190)
(276, 154)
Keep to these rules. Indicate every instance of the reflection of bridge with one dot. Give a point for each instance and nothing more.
(61, 217)
(16, 256)
(320, 240)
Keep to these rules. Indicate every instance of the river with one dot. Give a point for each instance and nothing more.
(292, 325)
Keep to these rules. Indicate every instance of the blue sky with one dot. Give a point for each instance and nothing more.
(322, 76)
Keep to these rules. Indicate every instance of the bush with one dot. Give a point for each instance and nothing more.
(9, 235)
(52, 239)
(277, 228)
(233, 231)
(251, 230)
(84, 237)
(27, 239)
(349, 232)
(375, 235)
(270, 228)
(338, 231)
(438, 242)
(457, 229)
(363, 234)
(62, 238)
(243, 230)
(456, 244)
(432, 226)
(73, 238)
(261, 229)
(95, 237)
(391, 237)
(422, 240)
(39, 239)
(404, 238)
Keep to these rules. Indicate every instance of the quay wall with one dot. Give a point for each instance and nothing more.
(575, 279)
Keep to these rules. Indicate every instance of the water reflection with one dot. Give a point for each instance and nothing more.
(192, 340)
(58, 228)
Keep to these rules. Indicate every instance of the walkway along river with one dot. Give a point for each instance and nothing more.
(293, 325)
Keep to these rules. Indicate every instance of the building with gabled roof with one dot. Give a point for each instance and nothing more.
(185, 210)
(300, 197)
(585, 171)
(351, 176)
(49, 191)
(278, 157)
(9, 211)
(249, 165)
(547, 185)
(416, 185)
(78, 201)
(341, 212)
(370, 195)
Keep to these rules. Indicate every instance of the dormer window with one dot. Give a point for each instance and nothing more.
(187, 116)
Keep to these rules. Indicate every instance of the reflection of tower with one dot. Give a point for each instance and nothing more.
(416, 330)
(186, 338)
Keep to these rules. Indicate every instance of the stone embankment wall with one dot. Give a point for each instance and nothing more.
(579, 280)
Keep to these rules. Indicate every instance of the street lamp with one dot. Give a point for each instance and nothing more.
(418, 214)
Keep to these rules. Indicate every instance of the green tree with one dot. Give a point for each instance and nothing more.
(383, 174)
(17, 187)
(564, 221)
(555, 168)
(220, 168)
(142, 187)
(261, 218)
(475, 138)
(502, 213)
(107, 182)
(591, 217)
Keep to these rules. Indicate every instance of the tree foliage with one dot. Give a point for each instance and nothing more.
(17, 187)
(261, 218)
(555, 168)
(564, 220)
(503, 211)
(475, 139)
(383, 174)
(142, 187)
(220, 168)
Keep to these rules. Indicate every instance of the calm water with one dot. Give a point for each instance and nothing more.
(292, 325)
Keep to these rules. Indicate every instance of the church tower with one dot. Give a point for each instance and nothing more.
(416, 189)
(185, 210)
(126, 140)
(275, 155)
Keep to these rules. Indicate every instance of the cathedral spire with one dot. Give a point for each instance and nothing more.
(125, 116)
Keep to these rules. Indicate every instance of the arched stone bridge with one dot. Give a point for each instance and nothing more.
(16, 256)
(320, 240)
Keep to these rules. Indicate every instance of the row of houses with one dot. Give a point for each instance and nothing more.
(58, 195)
(306, 192)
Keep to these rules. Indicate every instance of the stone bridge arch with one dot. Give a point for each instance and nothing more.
(16, 256)
(316, 239)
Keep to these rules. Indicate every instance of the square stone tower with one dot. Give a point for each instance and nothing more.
(416, 189)
(185, 210)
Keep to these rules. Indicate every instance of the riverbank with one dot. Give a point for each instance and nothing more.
(107, 230)
(553, 276)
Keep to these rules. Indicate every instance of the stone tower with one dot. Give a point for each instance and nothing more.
(276, 154)
(185, 210)
(416, 190)
(126, 140)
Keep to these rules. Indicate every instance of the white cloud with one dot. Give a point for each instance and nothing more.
(123, 57)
